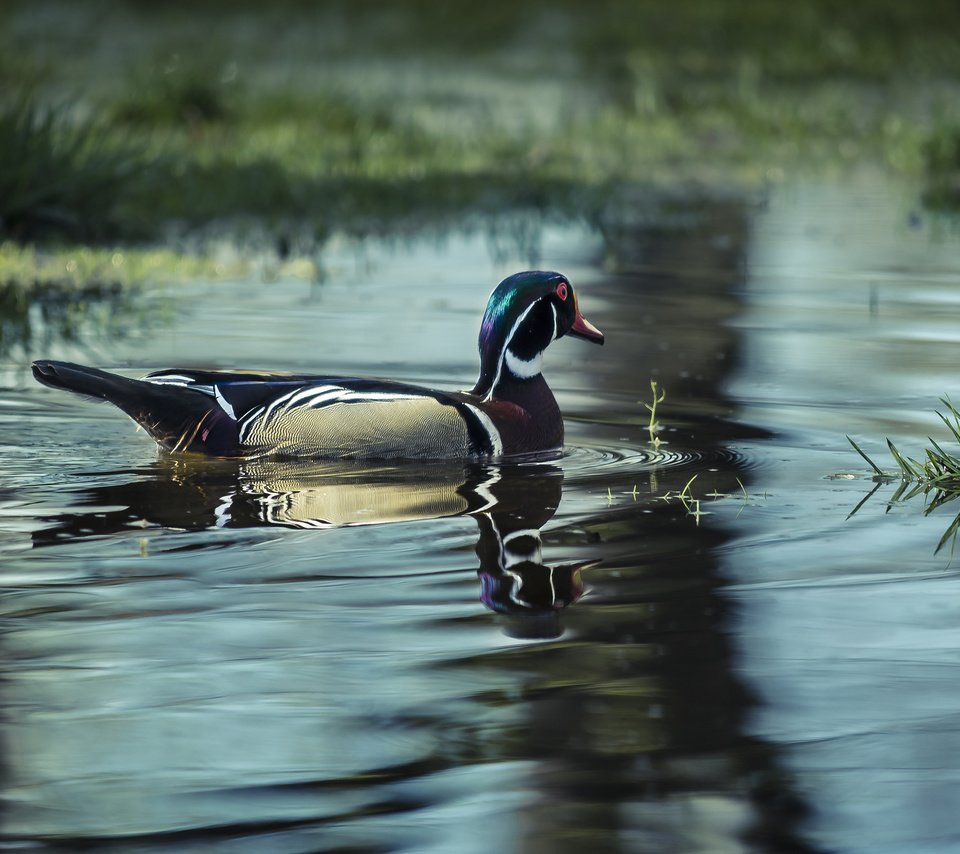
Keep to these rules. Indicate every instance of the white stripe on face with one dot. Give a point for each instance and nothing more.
(506, 344)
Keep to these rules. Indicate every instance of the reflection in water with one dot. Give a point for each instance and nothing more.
(40, 318)
(510, 503)
(515, 581)
(236, 678)
(933, 498)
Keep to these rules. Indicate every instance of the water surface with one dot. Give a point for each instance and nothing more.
(566, 656)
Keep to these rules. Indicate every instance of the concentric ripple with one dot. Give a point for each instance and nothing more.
(585, 462)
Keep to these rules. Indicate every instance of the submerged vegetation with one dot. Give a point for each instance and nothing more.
(367, 117)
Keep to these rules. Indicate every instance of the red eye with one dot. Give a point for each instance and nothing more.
(562, 290)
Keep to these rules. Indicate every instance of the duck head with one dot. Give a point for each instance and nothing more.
(525, 313)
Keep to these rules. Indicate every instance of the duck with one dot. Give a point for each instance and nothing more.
(510, 411)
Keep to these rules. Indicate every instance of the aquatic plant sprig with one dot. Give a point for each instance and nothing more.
(692, 504)
(938, 469)
(936, 476)
(659, 395)
(686, 498)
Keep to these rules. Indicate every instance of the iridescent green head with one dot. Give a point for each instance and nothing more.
(525, 313)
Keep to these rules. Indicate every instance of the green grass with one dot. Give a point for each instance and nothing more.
(938, 468)
(175, 91)
(942, 160)
(61, 176)
(936, 475)
(69, 268)
(366, 116)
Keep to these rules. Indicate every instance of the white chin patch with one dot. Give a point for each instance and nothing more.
(521, 369)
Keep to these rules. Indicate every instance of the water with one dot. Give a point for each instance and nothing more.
(566, 656)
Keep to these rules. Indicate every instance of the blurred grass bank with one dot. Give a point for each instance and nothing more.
(139, 123)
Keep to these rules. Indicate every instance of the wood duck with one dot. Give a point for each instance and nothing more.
(509, 412)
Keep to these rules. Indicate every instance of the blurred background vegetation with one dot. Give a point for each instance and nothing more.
(141, 122)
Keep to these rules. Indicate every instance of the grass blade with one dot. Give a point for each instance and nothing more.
(910, 468)
(871, 463)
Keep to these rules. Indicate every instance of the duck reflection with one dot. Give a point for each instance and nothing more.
(510, 503)
(515, 581)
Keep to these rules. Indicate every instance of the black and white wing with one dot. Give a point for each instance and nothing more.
(331, 417)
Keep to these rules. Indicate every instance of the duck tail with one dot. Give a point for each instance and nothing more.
(93, 383)
(180, 419)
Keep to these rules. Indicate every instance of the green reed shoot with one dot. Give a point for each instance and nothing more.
(659, 395)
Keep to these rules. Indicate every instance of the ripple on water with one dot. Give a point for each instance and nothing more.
(585, 462)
